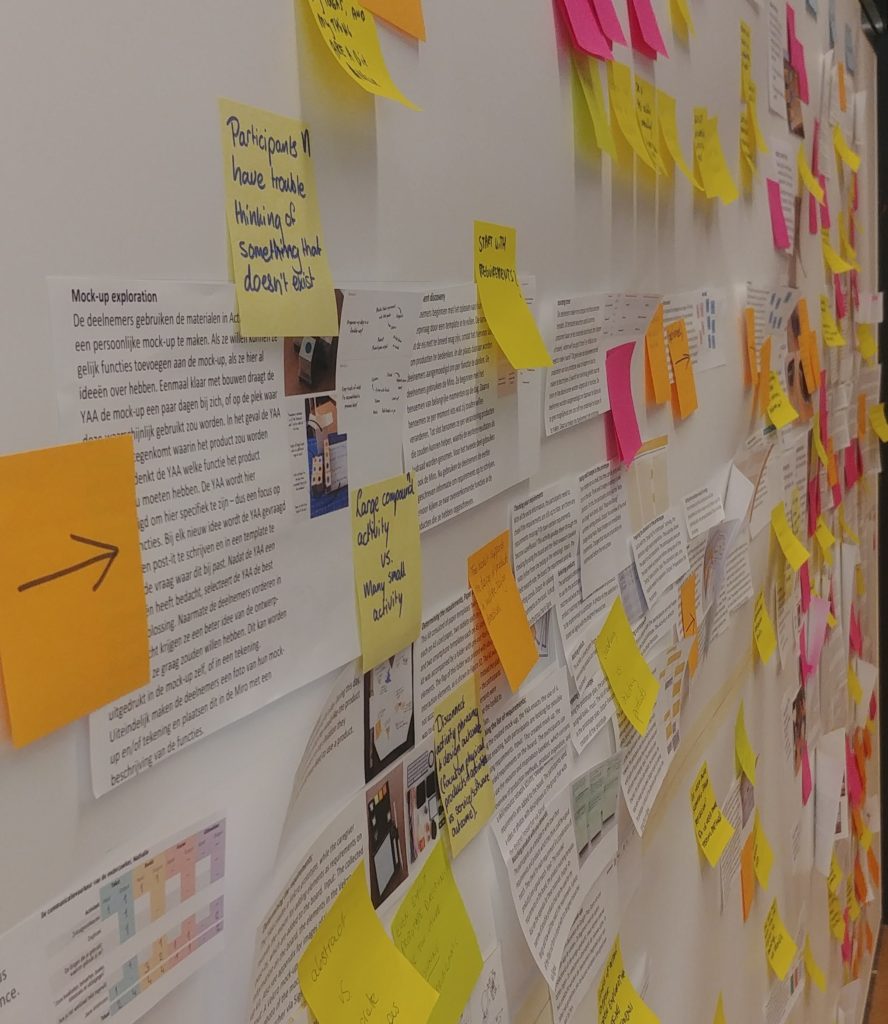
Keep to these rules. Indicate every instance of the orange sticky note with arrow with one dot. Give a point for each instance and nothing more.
(73, 621)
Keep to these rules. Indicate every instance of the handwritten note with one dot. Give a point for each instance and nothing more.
(461, 758)
(278, 254)
(793, 549)
(711, 827)
(781, 411)
(618, 1000)
(73, 622)
(433, 930)
(634, 686)
(349, 32)
(493, 584)
(351, 973)
(499, 292)
(622, 100)
(388, 567)
(779, 947)
(684, 388)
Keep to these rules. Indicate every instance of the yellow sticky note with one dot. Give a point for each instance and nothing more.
(745, 59)
(622, 99)
(505, 309)
(73, 621)
(851, 900)
(818, 444)
(646, 114)
(351, 970)
(433, 930)
(493, 584)
(464, 782)
(812, 967)
(278, 253)
(779, 946)
(854, 687)
(833, 260)
(762, 853)
(350, 34)
(793, 549)
(618, 999)
(712, 828)
(878, 421)
(717, 178)
(634, 686)
(752, 110)
(684, 389)
(403, 14)
(590, 82)
(825, 538)
(810, 182)
(763, 629)
(846, 153)
(388, 566)
(655, 354)
(751, 368)
(866, 342)
(847, 531)
(669, 134)
(781, 411)
(832, 336)
(682, 22)
(836, 917)
(742, 746)
(835, 875)
(848, 252)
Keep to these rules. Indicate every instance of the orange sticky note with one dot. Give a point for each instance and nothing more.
(684, 390)
(873, 865)
(73, 621)
(751, 378)
(493, 584)
(810, 360)
(655, 358)
(843, 93)
(403, 14)
(764, 379)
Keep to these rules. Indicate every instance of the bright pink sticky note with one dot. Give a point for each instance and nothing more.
(796, 54)
(635, 35)
(618, 367)
(778, 221)
(855, 195)
(611, 444)
(841, 308)
(609, 22)
(812, 215)
(855, 787)
(585, 30)
(873, 706)
(855, 289)
(648, 28)
(851, 467)
(807, 669)
(818, 610)
(805, 586)
(824, 411)
(846, 939)
(856, 634)
(806, 775)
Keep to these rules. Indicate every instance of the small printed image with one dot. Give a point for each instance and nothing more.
(388, 712)
(386, 844)
(327, 457)
(425, 812)
(310, 362)
(793, 99)
(541, 634)
(593, 804)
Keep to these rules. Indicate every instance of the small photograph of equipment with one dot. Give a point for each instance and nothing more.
(310, 361)
(327, 457)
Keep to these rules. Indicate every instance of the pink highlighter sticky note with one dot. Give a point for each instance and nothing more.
(856, 634)
(778, 221)
(585, 30)
(841, 308)
(807, 669)
(609, 22)
(873, 705)
(618, 369)
(855, 788)
(649, 30)
(805, 587)
(815, 170)
(806, 774)
(851, 465)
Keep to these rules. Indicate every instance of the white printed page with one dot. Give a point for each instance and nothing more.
(604, 524)
(661, 556)
(575, 386)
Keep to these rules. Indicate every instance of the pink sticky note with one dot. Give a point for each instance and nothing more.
(636, 37)
(851, 468)
(646, 21)
(807, 669)
(805, 587)
(856, 633)
(611, 445)
(855, 290)
(585, 30)
(824, 411)
(778, 221)
(812, 215)
(824, 206)
(796, 54)
(841, 308)
(806, 775)
(855, 787)
(609, 22)
(818, 610)
(873, 705)
(846, 939)
(855, 194)
(618, 368)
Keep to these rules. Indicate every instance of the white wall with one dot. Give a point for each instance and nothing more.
(111, 165)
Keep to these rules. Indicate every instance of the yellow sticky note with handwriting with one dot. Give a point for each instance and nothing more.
(684, 388)
(878, 421)
(781, 412)
(762, 853)
(646, 114)
(388, 566)
(825, 538)
(618, 999)
(278, 253)
(669, 134)
(464, 782)
(810, 182)
(634, 686)
(349, 32)
(433, 930)
(812, 967)
(493, 583)
(845, 152)
(712, 828)
(742, 746)
(763, 629)
(793, 549)
(779, 946)
(622, 100)
(832, 336)
(590, 82)
(836, 917)
(73, 621)
(835, 875)
(505, 309)
(351, 969)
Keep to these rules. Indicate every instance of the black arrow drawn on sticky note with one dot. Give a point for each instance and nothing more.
(109, 553)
